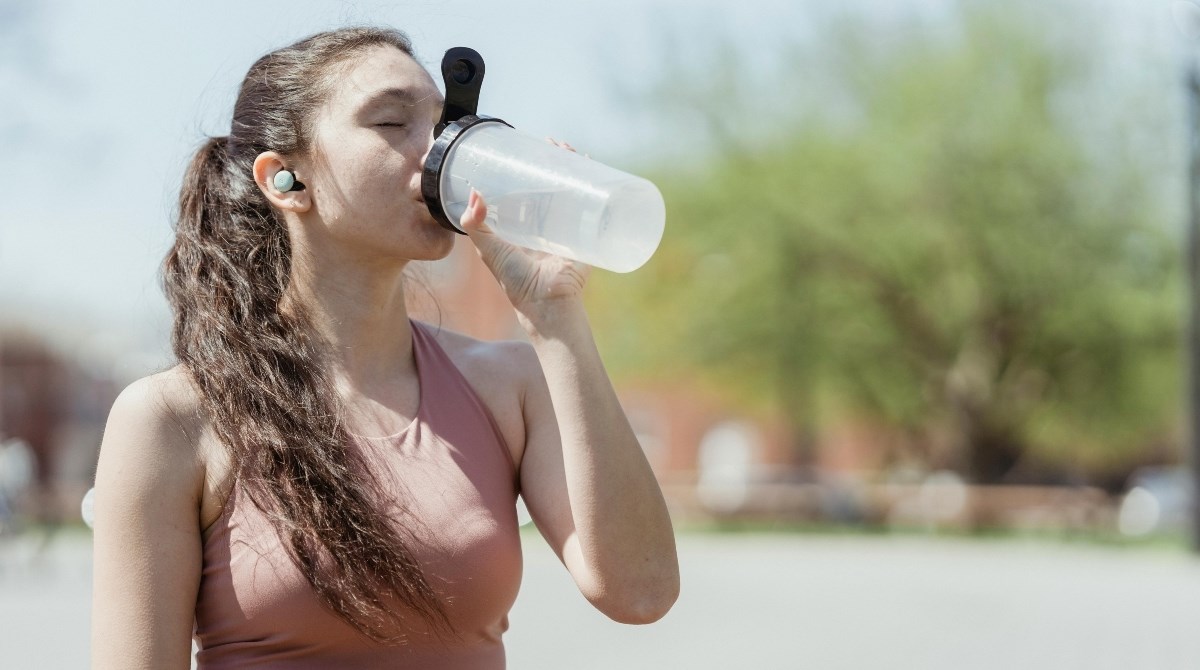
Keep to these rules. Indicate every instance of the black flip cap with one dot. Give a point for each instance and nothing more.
(462, 72)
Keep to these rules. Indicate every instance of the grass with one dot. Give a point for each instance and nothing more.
(1173, 541)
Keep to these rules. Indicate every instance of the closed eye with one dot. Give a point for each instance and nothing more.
(390, 125)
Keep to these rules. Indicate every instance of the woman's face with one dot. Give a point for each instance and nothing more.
(370, 139)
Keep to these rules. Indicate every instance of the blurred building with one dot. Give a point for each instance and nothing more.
(57, 407)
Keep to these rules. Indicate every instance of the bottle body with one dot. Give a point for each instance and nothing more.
(545, 198)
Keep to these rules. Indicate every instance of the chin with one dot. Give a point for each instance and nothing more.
(438, 245)
(445, 250)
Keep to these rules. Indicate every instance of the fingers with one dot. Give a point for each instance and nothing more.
(563, 145)
(493, 250)
(475, 215)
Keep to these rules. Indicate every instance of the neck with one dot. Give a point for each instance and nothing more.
(359, 308)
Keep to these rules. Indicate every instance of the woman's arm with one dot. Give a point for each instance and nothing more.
(147, 556)
(584, 476)
(585, 479)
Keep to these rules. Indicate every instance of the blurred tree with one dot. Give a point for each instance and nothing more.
(938, 242)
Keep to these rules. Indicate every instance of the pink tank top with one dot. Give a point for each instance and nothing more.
(451, 468)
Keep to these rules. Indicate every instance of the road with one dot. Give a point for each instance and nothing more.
(773, 601)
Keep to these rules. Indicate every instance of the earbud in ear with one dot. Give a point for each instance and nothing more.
(285, 181)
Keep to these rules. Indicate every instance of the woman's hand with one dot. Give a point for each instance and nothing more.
(530, 278)
(534, 281)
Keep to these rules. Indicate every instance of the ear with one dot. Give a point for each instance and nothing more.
(266, 166)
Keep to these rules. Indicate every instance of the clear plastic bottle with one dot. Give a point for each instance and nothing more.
(546, 198)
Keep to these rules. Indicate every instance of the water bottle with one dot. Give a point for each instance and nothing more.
(539, 196)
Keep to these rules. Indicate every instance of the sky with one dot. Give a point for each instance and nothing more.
(102, 105)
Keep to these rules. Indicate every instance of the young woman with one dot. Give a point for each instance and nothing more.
(323, 482)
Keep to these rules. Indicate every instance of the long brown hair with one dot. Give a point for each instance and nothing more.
(260, 369)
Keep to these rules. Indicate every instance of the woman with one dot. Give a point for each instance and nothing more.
(322, 481)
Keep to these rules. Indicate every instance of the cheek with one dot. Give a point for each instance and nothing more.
(355, 183)
(366, 171)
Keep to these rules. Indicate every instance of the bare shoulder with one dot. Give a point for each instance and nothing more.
(155, 429)
(509, 362)
(165, 403)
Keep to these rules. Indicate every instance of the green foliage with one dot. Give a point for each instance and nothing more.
(930, 242)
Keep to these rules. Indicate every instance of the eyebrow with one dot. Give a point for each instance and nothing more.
(403, 95)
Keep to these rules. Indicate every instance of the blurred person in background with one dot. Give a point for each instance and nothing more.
(322, 480)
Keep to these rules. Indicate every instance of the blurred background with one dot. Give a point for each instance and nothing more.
(910, 363)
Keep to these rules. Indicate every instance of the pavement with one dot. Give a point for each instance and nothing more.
(770, 601)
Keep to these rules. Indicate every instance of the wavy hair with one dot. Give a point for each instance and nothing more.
(260, 369)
